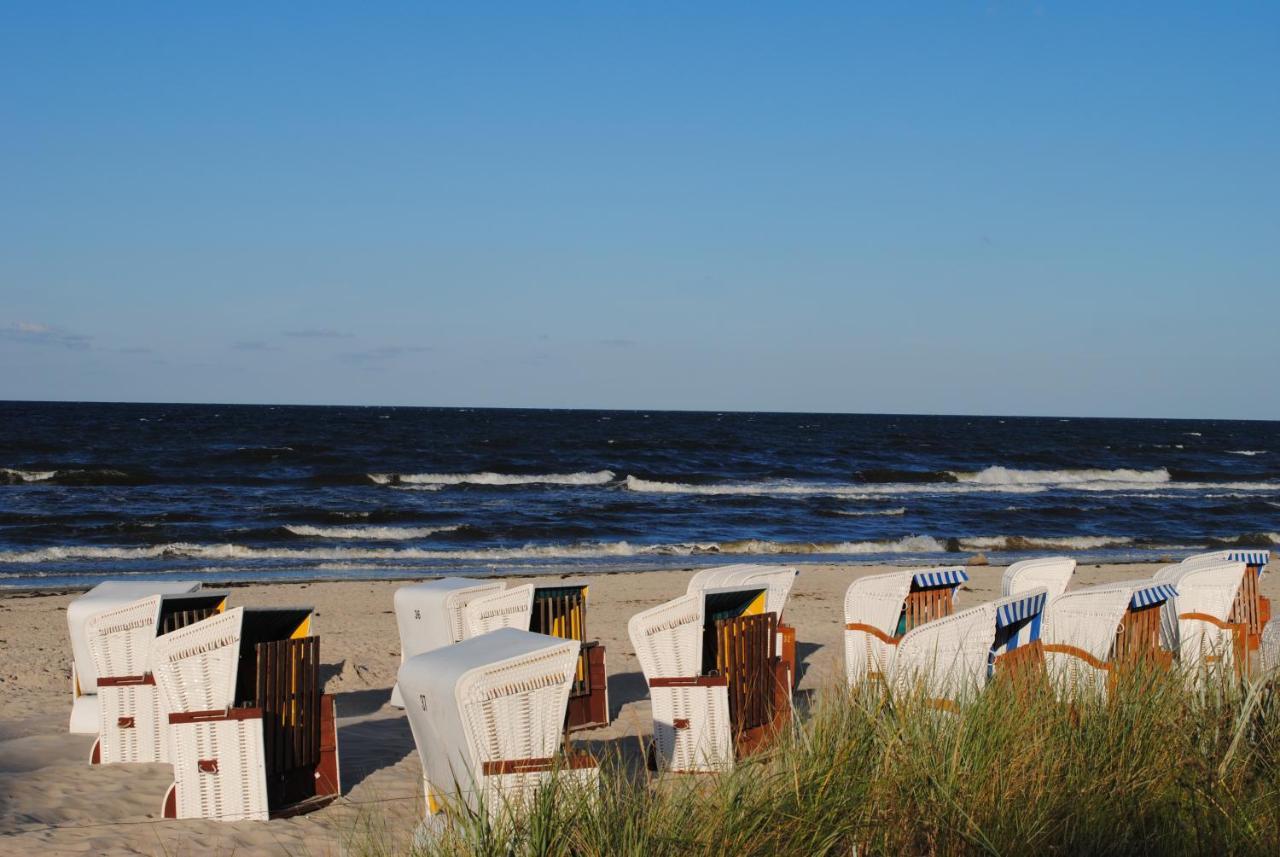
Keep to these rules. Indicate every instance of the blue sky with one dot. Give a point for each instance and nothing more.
(1010, 208)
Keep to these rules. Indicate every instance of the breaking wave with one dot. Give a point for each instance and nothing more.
(598, 477)
(1010, 476)
(370, 533)
(917, 544)
(1248, 452)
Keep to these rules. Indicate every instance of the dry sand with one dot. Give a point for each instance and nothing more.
(53, 801)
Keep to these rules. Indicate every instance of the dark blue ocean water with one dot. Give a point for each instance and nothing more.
(253, 493)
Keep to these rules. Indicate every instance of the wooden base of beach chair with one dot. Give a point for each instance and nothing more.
(751, 740)
(589, 700)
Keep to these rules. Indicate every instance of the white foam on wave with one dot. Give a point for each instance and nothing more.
(11, 473)
(1011, 476)
(598, 477)
(783, 488)
(370, 533)
(916, 544)
(1248, 452)
(873, 513)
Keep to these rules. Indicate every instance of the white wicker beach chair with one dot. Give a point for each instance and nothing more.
(1088, 631)
(711, 704)
(881, 608)
(1250, 609)
(430, 615)
(133, 721)
(443, 612)
(951, 659)
(778, 581)
(1269, 650)
(487, 716)
(84, 676)
(1195, 624)
(1052, 572)
(251, 733)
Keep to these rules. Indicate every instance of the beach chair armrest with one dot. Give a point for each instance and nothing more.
(1075, 652)
(873, 631)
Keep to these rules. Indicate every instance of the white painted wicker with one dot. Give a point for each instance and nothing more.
(691, 726)
(949, 659)
(236, 789)
(1202, 647)
(494, 701)
(876, 601)
(507, 608)
(1086, 619)
(1269, 649)
(85, 717)
(1053, 573)
(430, 615)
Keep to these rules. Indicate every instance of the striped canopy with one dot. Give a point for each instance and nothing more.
(1154, 593)
(1258, 557)
(1023, 608)
(942, 577)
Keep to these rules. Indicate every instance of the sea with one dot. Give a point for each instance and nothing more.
(231, 493)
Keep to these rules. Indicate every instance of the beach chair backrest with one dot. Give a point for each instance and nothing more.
(1087, 619)
(877, 600)
(490, 706)
(107, 595)
(121, 638)
(506, 608)
(1191, 623)
(668, 638)
(1250, 608)
(1053, 573)
(778, 581)
(947, 658)
(196, 666)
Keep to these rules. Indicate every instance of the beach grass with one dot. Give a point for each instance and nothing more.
(1155, 769)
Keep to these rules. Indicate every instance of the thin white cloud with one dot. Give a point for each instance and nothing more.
(36, 333)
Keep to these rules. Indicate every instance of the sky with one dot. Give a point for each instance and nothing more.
(996, 208)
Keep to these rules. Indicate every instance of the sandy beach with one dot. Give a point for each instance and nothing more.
(53, 801)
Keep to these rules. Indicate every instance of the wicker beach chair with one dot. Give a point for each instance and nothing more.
(443, 612)
(1089, 633)
(880, 609)
(487, 716)
(1195, 624)
(1250, 609)
(1052, 572)
(951, 659)
(717, 686)
(251, 733)
(132, 717)
(84, 676)
(777, 579)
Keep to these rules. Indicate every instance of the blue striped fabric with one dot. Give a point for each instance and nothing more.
(945, 577)
(1155, 593)
(1023, 608)
(1258, 558)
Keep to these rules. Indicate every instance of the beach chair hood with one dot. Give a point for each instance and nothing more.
(1053, 573)
(778, 581)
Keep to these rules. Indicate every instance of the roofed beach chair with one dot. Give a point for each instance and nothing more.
(1088, 633)
(442, 612)
(717, 686)
(951, 659)
(1052, 572)
(880, 609)
(778, 579)
(84, 676)
(132, 718)
(251, 733)
(1250, 609)
(487, 716)
(1195, 624)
